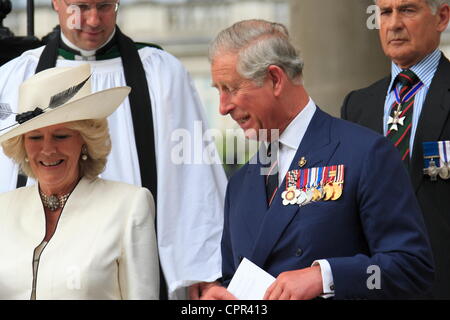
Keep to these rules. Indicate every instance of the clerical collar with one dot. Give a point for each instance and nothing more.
(81, 54)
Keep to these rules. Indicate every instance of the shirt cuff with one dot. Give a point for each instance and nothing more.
(327, 278)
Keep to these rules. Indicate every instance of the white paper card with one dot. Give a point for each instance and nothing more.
(250, 282)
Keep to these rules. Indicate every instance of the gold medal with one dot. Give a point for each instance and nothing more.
(316, 194)
(290, 195)
(337, 191)
(328, 189)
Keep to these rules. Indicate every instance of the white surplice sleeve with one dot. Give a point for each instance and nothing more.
(191, 192)
(12, 74)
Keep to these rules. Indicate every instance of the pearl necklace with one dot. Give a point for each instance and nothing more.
(53, 202)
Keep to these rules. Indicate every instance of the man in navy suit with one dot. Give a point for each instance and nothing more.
(342, 208)
(410, 33)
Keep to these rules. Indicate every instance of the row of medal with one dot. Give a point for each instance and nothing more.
(304, 186)
(436, 159)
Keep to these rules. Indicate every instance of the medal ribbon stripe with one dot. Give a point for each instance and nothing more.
(341, 174)
(332, 173)
(444, 168)
(302, 178)
(305, 179)
(402, 97)
(444, 150)
(322, 180)
(430, 152)
(325, 175)
(291, 178)
(319, 177)
(312, 178)
(338, 175)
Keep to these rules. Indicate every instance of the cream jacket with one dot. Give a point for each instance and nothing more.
(104, 246)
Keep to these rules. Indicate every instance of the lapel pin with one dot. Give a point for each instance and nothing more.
(302, 162)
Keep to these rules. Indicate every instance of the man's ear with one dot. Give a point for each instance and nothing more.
(444, 15)
(55, 5)
(277, 78)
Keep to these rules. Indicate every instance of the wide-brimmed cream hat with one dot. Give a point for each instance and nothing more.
(62, 95)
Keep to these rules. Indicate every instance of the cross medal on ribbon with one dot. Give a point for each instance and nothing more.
(398, 117)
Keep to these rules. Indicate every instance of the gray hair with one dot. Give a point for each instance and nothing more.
(95, 134)
(436, 4)
(259, 44)
(433, 4)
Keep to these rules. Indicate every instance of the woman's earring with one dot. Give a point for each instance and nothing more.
(26, 159)
(84, 153)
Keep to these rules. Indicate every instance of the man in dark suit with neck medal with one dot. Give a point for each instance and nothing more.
(411, 108)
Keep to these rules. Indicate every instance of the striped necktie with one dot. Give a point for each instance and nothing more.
(400, 120)
(271, 179)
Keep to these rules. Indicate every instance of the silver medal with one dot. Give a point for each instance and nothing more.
(444, 171)
(301, 198)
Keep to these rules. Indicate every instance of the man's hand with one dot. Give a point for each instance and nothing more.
(196, 290)
(303, 284)
(217, 292)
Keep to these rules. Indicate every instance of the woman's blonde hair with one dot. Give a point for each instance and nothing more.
(95, 134)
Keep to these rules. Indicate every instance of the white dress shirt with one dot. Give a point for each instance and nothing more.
(425, 70)
(289, 142)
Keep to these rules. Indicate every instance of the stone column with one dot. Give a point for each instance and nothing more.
(340, 52)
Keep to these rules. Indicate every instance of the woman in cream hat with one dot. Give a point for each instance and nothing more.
(72, 235)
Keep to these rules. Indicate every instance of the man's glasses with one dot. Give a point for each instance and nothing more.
(102, 7)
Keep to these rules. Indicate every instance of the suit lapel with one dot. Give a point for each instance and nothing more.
(432, 119)
(317, 149)
(254, 193)
(375, 106)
